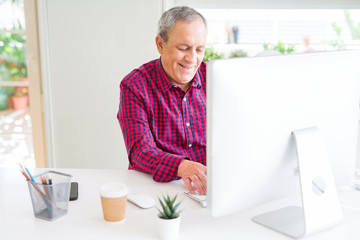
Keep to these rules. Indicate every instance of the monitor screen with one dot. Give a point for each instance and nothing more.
(254, 105)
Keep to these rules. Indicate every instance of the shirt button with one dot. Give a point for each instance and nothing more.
(187, 124)
(190, 145)
(185, 99)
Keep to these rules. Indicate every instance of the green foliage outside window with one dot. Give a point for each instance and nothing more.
(12, 56)
(211, 54)
(281, 47)
(354, 29)
(337, 43)
(238, 53)
(12, 60)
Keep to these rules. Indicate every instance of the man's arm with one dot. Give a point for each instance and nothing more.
(143, 153)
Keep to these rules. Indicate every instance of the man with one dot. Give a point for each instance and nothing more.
(162, 111)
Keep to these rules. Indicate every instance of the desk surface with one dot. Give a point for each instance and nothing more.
(84, 219)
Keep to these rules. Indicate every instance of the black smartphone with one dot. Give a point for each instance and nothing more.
(74, 191)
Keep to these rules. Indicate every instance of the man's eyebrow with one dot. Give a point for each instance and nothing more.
(186, 45)
(183, 45)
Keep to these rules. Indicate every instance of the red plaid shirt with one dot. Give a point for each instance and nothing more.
(161, 123)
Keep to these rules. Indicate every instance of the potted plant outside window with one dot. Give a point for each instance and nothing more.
(13, 68)
(20, 100)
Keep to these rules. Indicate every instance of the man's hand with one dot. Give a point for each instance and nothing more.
(194, 175)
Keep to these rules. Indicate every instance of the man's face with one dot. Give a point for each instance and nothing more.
(184, 51)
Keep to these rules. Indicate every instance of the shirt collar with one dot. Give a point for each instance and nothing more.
(197, 80)
(164, 82)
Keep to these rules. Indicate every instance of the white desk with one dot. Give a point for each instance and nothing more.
(85, 221)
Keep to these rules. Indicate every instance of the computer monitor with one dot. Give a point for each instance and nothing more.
(254, 105)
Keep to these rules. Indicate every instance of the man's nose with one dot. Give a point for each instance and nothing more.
(191, 56)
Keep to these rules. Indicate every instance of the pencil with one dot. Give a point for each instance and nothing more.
(27, 178)
(44, 197)
(31, 177)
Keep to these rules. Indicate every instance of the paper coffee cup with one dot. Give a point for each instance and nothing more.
(113, 200)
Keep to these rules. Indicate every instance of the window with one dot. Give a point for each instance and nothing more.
(297, 30)
(15, 124)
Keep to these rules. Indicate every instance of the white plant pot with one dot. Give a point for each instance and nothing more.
(169, 229)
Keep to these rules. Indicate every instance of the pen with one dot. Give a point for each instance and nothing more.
(42, 182)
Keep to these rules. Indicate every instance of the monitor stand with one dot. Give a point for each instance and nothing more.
(320, 204)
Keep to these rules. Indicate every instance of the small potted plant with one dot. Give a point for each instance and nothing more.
(20, 100)
(169, 218)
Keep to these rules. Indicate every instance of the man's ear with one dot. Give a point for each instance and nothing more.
(159, 44)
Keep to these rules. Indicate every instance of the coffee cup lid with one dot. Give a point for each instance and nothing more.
(114, 190)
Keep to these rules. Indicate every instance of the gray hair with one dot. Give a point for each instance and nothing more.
(172, 16)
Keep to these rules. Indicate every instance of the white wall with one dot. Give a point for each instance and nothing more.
(87, 47)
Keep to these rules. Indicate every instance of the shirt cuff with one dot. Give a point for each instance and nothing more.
(166, 171)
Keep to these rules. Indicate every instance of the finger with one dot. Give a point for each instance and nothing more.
(201, 174)
(203, 181)
(188, 185)
(202, 170)
(197, 183)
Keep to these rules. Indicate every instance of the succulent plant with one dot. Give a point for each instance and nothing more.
(169, 208)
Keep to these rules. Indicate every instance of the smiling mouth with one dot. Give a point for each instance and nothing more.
(187, 67)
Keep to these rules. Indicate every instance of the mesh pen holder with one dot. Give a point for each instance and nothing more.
(50, 200)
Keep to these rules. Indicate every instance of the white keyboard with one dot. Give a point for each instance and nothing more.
(202, 199)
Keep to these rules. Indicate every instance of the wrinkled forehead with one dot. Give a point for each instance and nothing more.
(190, 33)
(193, 27)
